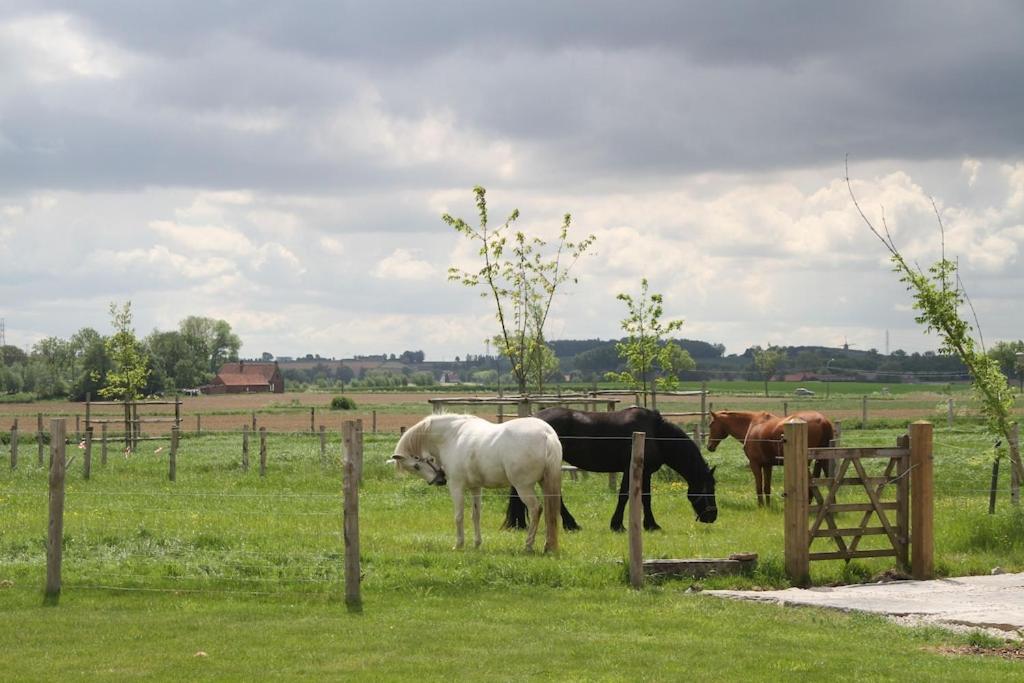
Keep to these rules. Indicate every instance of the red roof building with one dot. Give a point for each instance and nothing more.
(241, 377)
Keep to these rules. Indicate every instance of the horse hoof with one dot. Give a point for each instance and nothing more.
(573, 528)
(653, 527)
(618, 529)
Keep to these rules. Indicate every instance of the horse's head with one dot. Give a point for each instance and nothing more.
(423, 465)
(702, 497)
(717, 430)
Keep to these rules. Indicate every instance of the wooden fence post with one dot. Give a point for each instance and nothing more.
(785, 408)
(39, 437)
(636, 538)
(136, 426)
(245, 448)
(863, 411)
(312, 420)
(14, 445)
(359, 447)
(78, 428)
(903, 505)
(103, 444)
(950, 411)
(55, 535)
(523, 408)
(1014, 474)
(373, 429)
(87, 459)
(254, 421)
(323, 445)
(921, 495)
(703, 411)
(127, 426)
(798, 560)
(353, 597)
(172, 460)
(263, 451)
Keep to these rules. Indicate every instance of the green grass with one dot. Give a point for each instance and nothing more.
(249, 570)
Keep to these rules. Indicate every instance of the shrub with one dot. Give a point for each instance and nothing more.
(342, 403)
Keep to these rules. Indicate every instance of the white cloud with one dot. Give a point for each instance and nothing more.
(51, 47)
(403, 265)
(970, 168)
(204, 237)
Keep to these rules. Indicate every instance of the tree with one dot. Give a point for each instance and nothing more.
(938, 296)
(521, 278)
(212, 342)
(644, 350)
(766, 361)
(90, 364)
(127, 377)
(1010, 356)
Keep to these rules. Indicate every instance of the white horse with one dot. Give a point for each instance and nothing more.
(471, 453)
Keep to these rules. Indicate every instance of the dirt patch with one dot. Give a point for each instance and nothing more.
(1006, 652)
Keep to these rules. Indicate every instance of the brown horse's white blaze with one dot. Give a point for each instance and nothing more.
(761, 436)
(470, 454)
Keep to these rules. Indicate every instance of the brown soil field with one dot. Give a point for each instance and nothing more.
(290, 412)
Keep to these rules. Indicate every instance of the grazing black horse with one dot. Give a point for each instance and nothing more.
(601, 442)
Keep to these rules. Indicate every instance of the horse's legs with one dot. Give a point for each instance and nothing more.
(515, 513)
(459, 503)
(620, 504)
(767, 482)
(649, 523)
(475, 493)
(533, 510)
(755, 468)
(568, 521)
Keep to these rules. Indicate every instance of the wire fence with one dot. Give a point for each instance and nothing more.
(135, 532)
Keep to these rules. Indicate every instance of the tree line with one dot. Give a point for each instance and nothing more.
(109, 366)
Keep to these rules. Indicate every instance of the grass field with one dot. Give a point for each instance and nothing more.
(248, 571)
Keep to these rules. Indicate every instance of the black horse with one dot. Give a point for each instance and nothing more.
(601, 442)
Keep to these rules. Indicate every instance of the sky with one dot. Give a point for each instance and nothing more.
(285, 166)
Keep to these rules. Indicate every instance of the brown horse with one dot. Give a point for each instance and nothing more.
(761, 436)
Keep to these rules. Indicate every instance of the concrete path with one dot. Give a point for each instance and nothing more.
(983, 602)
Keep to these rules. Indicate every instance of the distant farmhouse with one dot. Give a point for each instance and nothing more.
(244, 377)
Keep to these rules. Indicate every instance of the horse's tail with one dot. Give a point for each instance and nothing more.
(551, 488)
(828, 432)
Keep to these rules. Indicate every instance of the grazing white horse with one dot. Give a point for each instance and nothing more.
(471, 453)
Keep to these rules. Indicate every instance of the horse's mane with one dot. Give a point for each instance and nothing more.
(681, 453)
(411, 443)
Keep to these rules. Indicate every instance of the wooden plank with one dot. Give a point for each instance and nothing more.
(856, 507)
(263, 451)
(55, 529)
(849, 531)
(875, 504)
(353, 595)
(922, 497)
(797, 544)
(862, 453)
(700, 568)
(903, 504)
(636, 541)
(866, 517)
(851, 481)
(172, 457)
(886, 552)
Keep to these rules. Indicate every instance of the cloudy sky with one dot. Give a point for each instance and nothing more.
(284, 166)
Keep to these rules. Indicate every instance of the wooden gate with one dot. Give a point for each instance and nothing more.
(895, 504)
